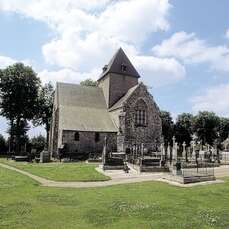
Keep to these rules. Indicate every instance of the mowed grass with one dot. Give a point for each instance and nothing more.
(60, 171)
(148, 205)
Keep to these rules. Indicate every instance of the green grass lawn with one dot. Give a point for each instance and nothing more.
(60, 171)
(24, 204)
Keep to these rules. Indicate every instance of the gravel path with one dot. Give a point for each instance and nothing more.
(117, 177)
(222, 171)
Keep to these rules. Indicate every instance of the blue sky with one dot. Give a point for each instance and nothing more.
(180, 48)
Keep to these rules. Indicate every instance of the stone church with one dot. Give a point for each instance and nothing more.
(119, 107)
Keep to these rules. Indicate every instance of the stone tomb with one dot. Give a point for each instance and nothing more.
(112, 160)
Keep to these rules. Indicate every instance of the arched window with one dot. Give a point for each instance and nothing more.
(141, 113)
(77, 136)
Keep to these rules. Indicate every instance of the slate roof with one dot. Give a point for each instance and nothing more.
(83, 109)
(120, 102)
(115, 64)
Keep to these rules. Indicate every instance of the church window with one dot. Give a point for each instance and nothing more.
(77, 136)
(140, 118)
(97, 137)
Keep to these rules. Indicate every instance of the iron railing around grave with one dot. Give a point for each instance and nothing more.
(198, 172)
(200, 169)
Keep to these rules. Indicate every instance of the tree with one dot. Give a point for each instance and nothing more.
(3, 146)
(19, 87)
(223, 129)
(205, 125)
(38, 143)
(44, 108)
(167, 126)
(88, 82)
(21, 131)
(183, 128)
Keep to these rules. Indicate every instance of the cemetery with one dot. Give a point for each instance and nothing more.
(186, 166)
(114, 114)
(116, 125)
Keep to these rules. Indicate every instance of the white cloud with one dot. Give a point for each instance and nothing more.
(132, 21)
(120, 24)
(120, 19)
(213, 99)
(156, 71)
(190, 49)
(159, 72)
(227, 34)
(6, 61)
(66, 75)
(86, 40)
(88, 32)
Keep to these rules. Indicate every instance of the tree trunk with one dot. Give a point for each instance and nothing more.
(47, 135)
(18, 136)
(11, 135)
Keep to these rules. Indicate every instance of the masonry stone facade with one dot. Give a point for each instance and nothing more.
(130, 132)
(119, 108)
(89, 142)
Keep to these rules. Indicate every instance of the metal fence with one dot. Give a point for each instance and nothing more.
(224, 157)
(198, 172)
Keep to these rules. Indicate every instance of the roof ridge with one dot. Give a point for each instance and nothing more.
(115, 65)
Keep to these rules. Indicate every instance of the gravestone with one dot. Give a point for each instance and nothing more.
(44, 156)
(174, 149)
(184, 150)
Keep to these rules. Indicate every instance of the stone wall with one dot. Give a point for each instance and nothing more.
(115, 86)
(54, 132)
(87, 143)
(54, 127)
(150, 134)
(104, 83)
(115, 116)
(119, 85)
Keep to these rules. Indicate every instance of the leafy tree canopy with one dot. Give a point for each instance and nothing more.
(183, 128)
(88, 82)
(38, 143)
(19, 88)
(224, 128)
(3, 146)
(19, 91)
(44, 109)
(167, 126)
(205, 125)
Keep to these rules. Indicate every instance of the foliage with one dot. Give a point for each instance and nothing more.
(205, 125)
(19, 96)
(167, 126)
(21, 131)
(38, 143)
(3, 145)
(24, 204)
(183, 128)
(88, 82)
(44, 108)
(19, 90)
(224, 129)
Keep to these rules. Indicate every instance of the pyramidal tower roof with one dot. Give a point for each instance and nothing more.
(120, 64)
